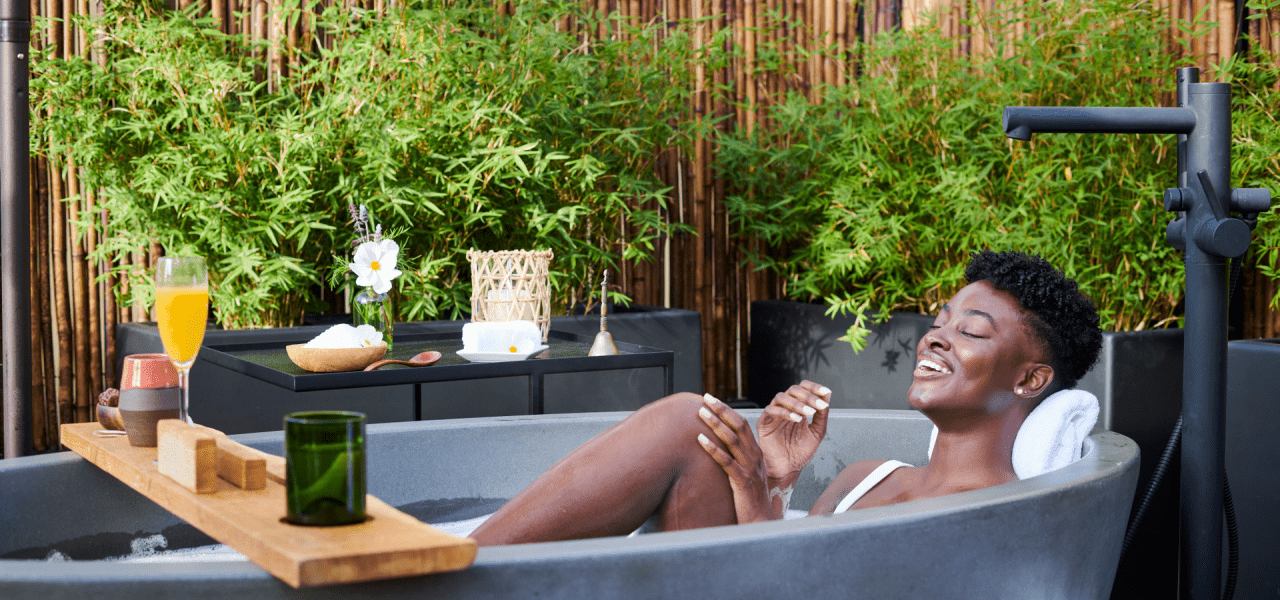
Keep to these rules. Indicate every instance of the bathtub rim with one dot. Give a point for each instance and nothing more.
(1108, 455)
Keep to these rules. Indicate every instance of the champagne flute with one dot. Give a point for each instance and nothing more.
(182, 307)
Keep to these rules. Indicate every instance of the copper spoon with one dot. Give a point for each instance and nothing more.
(424, 359)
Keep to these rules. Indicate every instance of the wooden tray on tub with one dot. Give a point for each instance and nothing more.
(389, 544)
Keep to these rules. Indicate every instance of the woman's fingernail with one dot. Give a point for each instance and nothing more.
(824, 391)
(702, 439)
(808, 410)
(709, 399)
(821, 405)
(795, 417)
(704, 413)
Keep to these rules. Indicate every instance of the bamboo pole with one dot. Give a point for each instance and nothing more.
(43, 300)
(841, 63)
(62, 296)
(112, 318)
(275, 53)
(82, 36)
(808, 42)
(828, 40)
(39, 425)
(67, 37)
(53, 29)
(1226, 31)
(258, 35)
(80, 298)
(95, 310)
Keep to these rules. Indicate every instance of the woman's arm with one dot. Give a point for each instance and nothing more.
(787, 438)
(740, 457)
(763, 474)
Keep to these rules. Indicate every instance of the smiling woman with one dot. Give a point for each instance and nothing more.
(1019, 332)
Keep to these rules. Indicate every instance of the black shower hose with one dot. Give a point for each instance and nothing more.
(1162, 466)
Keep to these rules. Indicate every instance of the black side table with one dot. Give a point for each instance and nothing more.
(567, 353)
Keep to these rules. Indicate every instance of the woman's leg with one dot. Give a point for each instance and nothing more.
(648, 464)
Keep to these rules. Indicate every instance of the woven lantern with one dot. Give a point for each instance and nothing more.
(511, 285)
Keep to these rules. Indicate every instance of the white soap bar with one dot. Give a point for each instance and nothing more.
(513, 337)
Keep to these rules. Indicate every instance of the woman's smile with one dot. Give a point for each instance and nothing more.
(929, 366)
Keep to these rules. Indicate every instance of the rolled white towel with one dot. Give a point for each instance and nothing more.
(1053, 435)
(512, 337)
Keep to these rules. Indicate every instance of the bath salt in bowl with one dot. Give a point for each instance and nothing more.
(500, 341)
(339, 348)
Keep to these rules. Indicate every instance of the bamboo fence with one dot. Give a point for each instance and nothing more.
(74, 314)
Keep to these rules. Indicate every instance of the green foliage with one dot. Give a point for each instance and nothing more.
(457, 126)
(873, 200)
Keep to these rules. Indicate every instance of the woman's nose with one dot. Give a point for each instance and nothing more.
(936, 338)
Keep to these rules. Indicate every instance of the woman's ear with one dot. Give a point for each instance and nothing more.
(1035, 380)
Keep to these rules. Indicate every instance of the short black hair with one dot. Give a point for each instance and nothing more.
(1064, 319)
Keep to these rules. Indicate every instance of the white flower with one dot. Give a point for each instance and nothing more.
(368, 336)
(375, 265)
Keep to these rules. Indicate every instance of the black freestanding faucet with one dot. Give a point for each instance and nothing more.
(1208, 236)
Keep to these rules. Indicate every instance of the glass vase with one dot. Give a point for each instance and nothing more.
(372, 308)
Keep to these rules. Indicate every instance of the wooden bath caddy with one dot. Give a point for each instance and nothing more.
(389, 544)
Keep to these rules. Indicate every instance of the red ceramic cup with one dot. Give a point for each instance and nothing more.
(148, 392)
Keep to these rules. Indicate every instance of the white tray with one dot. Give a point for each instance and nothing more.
(476, 356)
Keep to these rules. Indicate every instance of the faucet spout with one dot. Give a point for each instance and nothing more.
(1020, 122)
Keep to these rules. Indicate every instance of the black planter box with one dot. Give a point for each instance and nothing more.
(794, 341)
(235, 403)
(1253, 446)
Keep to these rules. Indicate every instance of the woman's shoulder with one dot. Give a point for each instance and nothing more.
(843, 483)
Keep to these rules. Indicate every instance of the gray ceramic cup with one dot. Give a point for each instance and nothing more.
(141, 408)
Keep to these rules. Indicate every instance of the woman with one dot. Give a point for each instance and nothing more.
(1017, 333)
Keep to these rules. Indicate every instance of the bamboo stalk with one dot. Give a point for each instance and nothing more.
(809, 41)
(275, 54)
(41, 200)
(137, 310)
(219, 13)
(62, 297)
(841, 63)
(257, 35)
(80, 300)
(68, 35)
(1197, 43)
(1255, 31)
(53, 31)
(112, 318)
(1226, 31)
(39, 425)
(95, 312)
(828, 40)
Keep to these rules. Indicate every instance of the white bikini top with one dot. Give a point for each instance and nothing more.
(864, 486)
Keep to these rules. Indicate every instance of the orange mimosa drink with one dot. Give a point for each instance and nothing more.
(181, 313)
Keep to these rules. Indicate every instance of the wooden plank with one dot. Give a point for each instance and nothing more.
(247, 468)
(240, 466)
(389, 544)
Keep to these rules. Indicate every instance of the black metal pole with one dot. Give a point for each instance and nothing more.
(15, 226)
(1204, 380)
(1208, 235)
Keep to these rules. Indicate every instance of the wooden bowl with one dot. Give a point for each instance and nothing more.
(332, 360)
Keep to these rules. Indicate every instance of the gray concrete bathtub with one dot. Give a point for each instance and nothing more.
(1053, 536)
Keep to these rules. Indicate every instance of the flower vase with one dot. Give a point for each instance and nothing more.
(372, 308)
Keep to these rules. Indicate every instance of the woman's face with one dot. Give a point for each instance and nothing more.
(977, 351)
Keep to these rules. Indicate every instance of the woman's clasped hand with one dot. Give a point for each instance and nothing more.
(763, 474)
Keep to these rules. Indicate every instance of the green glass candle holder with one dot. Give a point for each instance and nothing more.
(324, 467)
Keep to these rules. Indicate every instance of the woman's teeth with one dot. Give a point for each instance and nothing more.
(929, 365)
